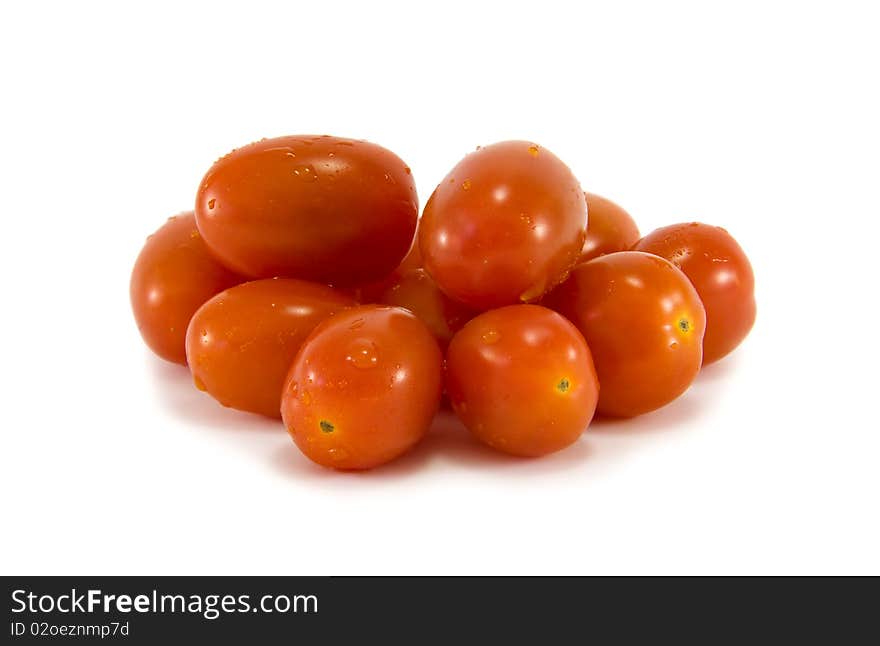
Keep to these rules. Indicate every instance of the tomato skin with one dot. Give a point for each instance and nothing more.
(240, 344)
(644, 323)
(325, 209)
(372, 292)
(172, 276)
(364, 388)
(522, 380)
(609, 228)
(722, 275)
(505, 225)
(416, 291)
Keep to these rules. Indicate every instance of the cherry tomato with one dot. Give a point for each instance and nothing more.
(416, 291)
(173, 275)
(609, 228)
(319, 208)
(504, 226)
(720, 272)
(521, 378)
(644, 323)
(241, 343)
(364, 388)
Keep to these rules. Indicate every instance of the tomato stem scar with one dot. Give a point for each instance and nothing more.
(684, 325)
(326, 426)
(563, 385)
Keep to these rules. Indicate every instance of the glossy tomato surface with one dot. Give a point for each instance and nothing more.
(240, 344)
(172, 277)
(325, 209)
(416, 291)
(364, 388)
(722, 275)
(609, 228)
(504, 226)
(521, 378)
(644, 323)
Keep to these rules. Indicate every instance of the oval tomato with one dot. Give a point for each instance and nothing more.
(609, 228)
(240, 344)
(364, 388)
(173, 275)
(521, 378)
(504, 226)
(644, 323)
(722, 275)
(319, 208)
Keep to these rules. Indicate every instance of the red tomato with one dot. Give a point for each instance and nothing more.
(320, 208)
(504, 226)
(364, 388)
(644, 323)
(416, 291)
(609, 228)
(241, 343)
(722, 275)
(521, 378)
(173, 275)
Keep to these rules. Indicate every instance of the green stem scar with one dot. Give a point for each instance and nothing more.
(563, 385)
(326, 426)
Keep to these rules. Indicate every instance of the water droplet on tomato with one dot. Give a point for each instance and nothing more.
(363, 354)
(306, 173)
(490, 336)
(338, 454)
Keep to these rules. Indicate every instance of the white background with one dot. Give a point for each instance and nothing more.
(761, 117)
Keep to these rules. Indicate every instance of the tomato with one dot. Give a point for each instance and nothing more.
(644, 323)
(609, 228)
(416, 291)
(173, 275)
(504, 226)
(241, 343)
(319, 208)
(722, 275)
(364, 388)
(521, 378)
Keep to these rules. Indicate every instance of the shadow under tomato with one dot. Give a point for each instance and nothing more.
(719, 370)
(687, 408)
(174, 386)
(448, 443)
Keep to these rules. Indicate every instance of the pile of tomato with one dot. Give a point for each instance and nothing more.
(304, 286)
